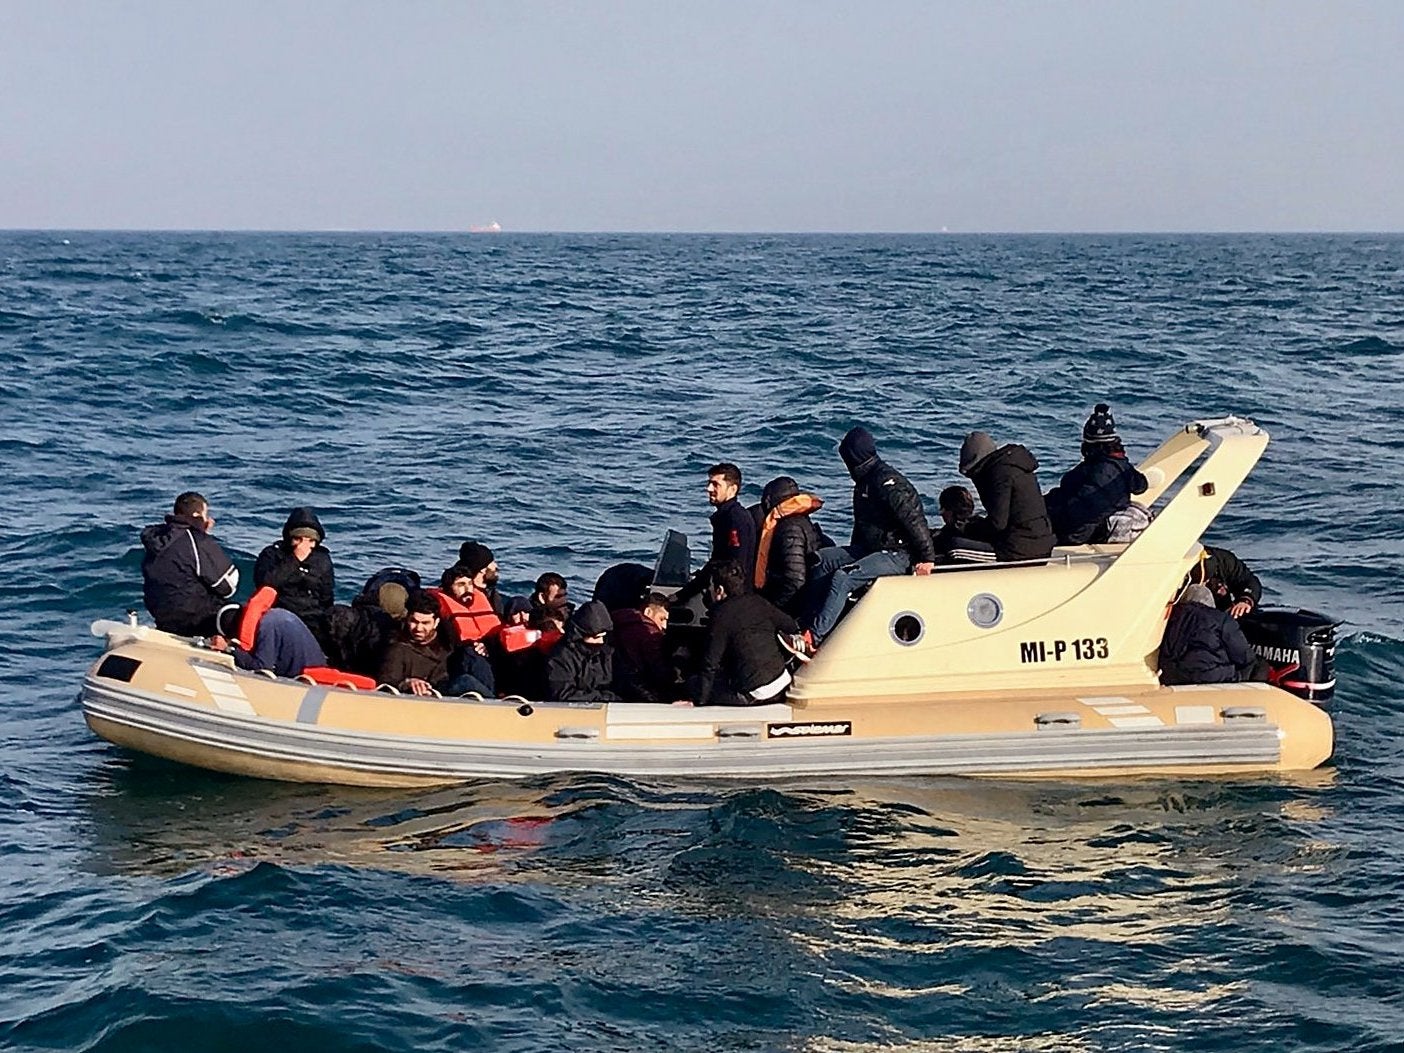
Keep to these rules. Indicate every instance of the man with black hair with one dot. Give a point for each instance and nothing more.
(552, 592)
(186, 576)
(957, 508)
(733, 529)
(418, 661)
(744, 663)
(890, 531)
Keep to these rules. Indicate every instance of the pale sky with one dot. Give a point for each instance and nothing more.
(703, 116)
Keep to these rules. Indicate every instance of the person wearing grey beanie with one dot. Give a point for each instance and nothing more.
(1015, 522)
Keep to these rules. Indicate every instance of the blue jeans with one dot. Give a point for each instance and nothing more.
(846, 576)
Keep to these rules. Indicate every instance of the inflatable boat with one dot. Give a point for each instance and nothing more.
(1032, 669)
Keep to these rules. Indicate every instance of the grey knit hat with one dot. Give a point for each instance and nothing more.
(976, 448)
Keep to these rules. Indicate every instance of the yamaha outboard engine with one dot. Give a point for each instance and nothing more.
(1299, 647)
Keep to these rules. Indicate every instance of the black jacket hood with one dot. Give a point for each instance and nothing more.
(592, 618)
(303, 517)
(1013, 456)
(858, 450)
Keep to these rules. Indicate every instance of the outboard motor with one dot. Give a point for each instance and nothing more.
(1299, 647)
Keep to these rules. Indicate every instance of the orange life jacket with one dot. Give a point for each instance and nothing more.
(259, 604)
(519, 638)
(470, 622)
(798, 505)
(326, 675)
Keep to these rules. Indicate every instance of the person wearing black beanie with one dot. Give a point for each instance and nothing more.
(478, 558)
(1104, 482)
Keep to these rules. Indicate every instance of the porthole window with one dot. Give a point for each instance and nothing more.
(907, 628)
(985, 610)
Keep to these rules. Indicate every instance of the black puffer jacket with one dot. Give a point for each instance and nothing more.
(742, 651)
(1015, 520)
(887, 512)
(1203, 645)
(793, 545)
(1101, 484)
(581, 672)
(186, 576)
(305, 587)
(1228, 578)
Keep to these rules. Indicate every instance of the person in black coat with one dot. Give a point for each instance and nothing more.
(1103, 483)
(186, 576)
(1016, 519)
(1235, 587)
(581, 668)
(300, 568)
(744, 663)
(1204, 645)
(951, 543)
(791, 550)
(890, 531)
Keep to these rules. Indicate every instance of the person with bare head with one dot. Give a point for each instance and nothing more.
(643, 672)
(186, 576)
(734, 530)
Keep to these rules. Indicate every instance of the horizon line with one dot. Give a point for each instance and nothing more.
(466, 232)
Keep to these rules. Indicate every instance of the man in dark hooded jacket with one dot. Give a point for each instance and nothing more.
(744, 663)
(790, 542)
(1235, 587)
(1016, 519)
(1101, 484)
(1204, 645)
(186, 577)
(890, 531)
(581, 668)
(300, 569)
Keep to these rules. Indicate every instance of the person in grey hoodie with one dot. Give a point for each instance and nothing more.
(1015, 522)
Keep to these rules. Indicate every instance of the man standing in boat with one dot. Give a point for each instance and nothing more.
(733, 530)
(186, 576)
(890, 531)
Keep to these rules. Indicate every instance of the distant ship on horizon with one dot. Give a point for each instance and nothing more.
(492, 227)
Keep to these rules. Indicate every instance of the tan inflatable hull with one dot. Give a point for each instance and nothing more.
(189, 705)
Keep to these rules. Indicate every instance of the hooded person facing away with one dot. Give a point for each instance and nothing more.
(1204, 645)
(1104, 482)
(890, 531)
(300, 568)
(1016, 519)
(581, 668)
(186, 576)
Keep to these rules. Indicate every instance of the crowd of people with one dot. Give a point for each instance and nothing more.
(775, 585)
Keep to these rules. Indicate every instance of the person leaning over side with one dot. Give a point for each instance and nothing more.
(890, 531)
(300, 568)
(1016, 519)
(282, 643)
(733, 530)
(1235, 587)
(743, 663)
(186, 576)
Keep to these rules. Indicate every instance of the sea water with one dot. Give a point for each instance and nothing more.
(560, 398)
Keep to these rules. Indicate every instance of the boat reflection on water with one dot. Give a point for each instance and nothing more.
(903, 899)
